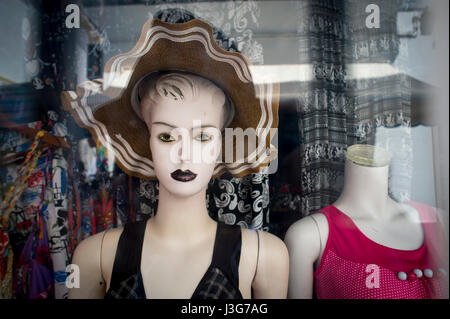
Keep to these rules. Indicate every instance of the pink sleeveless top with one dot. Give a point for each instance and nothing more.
(355, 267)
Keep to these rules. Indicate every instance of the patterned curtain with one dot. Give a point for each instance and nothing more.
(339, 107)
(381, 103)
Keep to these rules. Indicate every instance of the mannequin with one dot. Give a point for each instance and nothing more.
(179, 241)
(368, 214)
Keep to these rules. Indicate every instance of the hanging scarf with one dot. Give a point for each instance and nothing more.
(35, 278)
(6, 262)
(6, 207)
(35, 271)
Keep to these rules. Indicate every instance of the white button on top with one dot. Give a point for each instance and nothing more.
(418, 273)
(402, 275)
(442, 270)
(428, 273)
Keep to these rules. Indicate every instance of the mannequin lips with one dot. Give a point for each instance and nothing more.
(183, 176)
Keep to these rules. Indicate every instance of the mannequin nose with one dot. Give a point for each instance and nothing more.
(184, 152)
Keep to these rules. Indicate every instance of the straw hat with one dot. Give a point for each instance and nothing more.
(109, 109)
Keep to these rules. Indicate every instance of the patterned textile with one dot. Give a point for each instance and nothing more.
(13, 238)
(217, 286)
(72, 210)
(35, 268)
(338, 109)
(128, 289)
(355, 267)
(242, 201)
(57, 221)
(31, 236)
(220, 281)
(6, 264)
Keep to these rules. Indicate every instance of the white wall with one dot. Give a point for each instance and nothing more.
(441, 100)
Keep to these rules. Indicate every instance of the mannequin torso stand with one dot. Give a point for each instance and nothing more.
(366, 202)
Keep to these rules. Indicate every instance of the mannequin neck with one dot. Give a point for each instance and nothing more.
(181, 218)
(365, 193)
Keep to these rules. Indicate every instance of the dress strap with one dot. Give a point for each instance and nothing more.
(227, 250)
(128, 254)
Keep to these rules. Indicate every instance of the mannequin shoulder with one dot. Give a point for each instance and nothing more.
(92, 244)
(89, 256)
(271, 260)
(268, 244)
(308, 230)
(89, 246)
(87, 253)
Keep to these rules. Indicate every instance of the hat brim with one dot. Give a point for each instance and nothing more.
(187, 47)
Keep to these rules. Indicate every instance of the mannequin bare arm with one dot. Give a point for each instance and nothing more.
(87, 258)
(272, 272)
(304, 245)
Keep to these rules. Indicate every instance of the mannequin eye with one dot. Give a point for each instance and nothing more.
(167, 138)
(203, 137)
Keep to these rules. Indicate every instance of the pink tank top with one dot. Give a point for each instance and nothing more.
(355, 267)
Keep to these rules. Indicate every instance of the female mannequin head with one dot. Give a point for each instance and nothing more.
(184, 114)
(190, 51)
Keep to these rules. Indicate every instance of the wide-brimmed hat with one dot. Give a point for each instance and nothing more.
(107, 106)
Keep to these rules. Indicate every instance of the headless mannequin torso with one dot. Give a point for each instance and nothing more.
(366, 201)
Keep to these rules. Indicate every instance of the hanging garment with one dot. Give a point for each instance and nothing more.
(355, 267)
(35, 278)
(221, 280)
(21, 196)
(6, 262)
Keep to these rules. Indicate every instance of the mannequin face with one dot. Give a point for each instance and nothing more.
(185, 138)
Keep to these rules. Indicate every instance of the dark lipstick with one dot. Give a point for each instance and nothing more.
(183, 176)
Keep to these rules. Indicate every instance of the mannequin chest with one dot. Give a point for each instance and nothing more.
(171, 270)
(403, 233)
